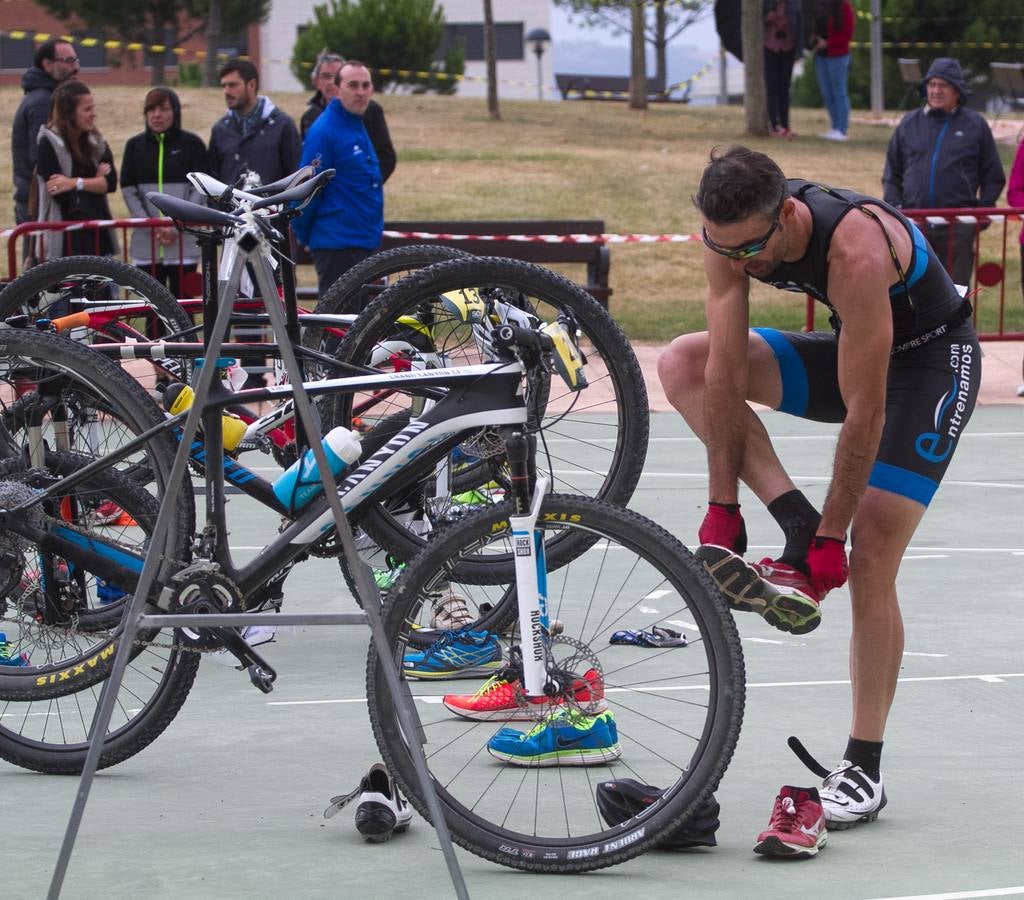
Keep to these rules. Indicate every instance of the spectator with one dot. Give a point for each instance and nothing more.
(76, 172)
(54, 62)
(344, 224)
(830, 39)
(158, 160)
(943, 156)
(783, 41)
(254, 135)
(328, 65)
(1015, 197)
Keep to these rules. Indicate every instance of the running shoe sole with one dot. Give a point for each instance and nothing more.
(788, 610)
(774, 846)
(481, 671)
(578, 757)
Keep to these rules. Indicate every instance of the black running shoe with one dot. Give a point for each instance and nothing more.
(625, 798)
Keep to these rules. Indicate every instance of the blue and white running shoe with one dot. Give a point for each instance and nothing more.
(456, 654)
(567, 738)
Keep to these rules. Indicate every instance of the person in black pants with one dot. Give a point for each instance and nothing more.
(783, 42)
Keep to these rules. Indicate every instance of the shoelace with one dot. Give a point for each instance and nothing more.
(784, 815)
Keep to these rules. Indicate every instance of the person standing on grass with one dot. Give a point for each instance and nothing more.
(943, 156)
(783, 42)
(1015, 197)
(54, 63)
(158, 159)
(900, 371)
(345, 222)
(833, 31)
(75, 173)
(328, 65)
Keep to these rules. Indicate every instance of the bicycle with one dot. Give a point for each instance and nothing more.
(488, 554)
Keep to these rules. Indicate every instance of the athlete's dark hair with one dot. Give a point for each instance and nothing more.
(737, 183)
(245, 69)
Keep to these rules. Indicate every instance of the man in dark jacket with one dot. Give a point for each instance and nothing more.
(54, 62)
(254, 135)
(943, 156)
(328, 65)
(344, 224)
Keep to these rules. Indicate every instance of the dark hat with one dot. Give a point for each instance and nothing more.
(948, 69)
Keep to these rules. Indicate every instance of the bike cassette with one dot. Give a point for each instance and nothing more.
(201, 589)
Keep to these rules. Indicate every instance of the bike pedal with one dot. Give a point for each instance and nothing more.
(263, 680)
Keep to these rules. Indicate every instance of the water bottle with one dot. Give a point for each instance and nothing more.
(300, 482)
(178, 397)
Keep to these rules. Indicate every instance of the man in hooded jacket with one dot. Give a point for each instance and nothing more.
(943, 156)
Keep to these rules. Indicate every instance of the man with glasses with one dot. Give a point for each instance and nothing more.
(900, 370)
(54, 61)
(327, 67)
(345, 222)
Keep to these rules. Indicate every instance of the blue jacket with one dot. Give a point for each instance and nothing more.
(350, 210)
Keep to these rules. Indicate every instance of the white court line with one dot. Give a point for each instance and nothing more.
(936, 655)
(928, 556)
(436, 698)
(963, 895)
(1019, 485)
(778, 437)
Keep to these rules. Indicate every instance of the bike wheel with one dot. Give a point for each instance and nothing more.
(63, 624)
(677, 711)
(97, 284)
(56, 394)
(592, 442)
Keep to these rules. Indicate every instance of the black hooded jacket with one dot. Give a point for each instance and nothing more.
(145, 169)
(33, 112)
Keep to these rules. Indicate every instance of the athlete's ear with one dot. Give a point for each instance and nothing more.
(788, 208)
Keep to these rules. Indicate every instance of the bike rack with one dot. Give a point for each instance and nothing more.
(369, 594)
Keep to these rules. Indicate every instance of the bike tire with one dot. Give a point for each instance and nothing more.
(50, 289)
(604, 452)
(544, 818)
(46, 707)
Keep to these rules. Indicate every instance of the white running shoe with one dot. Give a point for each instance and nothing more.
(381, 810)
(849, 795)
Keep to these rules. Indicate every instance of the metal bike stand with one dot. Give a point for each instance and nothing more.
(369, 594)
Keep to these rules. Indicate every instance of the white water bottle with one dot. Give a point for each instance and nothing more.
(301, 481)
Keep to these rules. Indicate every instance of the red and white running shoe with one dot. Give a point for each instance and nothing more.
(797, 826)
(501, 699)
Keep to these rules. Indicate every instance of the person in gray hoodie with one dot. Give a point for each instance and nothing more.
(158, 159)
(54, 62)
(943, 156)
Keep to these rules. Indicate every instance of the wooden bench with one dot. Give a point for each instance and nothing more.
(614, 87)
(595, 256)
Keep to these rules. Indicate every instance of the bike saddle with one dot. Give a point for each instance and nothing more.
(283, 184)
(301, 194)
(190, 213)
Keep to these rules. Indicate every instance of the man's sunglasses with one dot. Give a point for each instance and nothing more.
(746, 251)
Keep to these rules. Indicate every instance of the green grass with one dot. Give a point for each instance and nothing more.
(580, 160)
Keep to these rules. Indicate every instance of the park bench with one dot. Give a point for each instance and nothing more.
(594, 255)
(615, 87)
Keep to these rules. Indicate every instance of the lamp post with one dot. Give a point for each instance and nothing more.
(539, 38)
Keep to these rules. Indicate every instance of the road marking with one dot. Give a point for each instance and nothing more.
(963, 895)
(436, 698)
(911, 653)
(928, 556)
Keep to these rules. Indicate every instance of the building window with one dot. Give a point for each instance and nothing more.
(508, 37)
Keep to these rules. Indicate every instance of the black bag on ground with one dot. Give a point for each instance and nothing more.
(627, 797)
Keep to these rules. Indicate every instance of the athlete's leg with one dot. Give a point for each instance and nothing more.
(681, 371)
(882, 529)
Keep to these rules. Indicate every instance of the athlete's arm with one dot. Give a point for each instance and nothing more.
(725, 376)
(860, 273)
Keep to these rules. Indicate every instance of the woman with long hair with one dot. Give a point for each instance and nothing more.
(75, 173)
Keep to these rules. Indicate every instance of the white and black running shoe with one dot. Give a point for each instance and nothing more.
(849, 795)
(381, 810)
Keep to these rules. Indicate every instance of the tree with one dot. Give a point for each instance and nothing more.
(637, 59)
(666, 21)
(754, 102)
(491, 55)
(157, 22)
(391, 34)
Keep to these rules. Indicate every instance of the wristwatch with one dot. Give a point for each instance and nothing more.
(80, 184)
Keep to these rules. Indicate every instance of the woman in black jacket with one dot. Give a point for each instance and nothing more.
(158, 160)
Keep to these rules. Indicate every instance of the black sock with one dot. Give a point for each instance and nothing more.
(798, 520)
(866, 754)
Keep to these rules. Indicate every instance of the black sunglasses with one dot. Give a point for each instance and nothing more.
(751, 248)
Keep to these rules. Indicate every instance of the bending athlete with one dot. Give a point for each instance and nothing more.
(901, 372)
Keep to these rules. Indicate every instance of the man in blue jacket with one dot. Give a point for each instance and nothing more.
(943, 156)
(344, 224)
